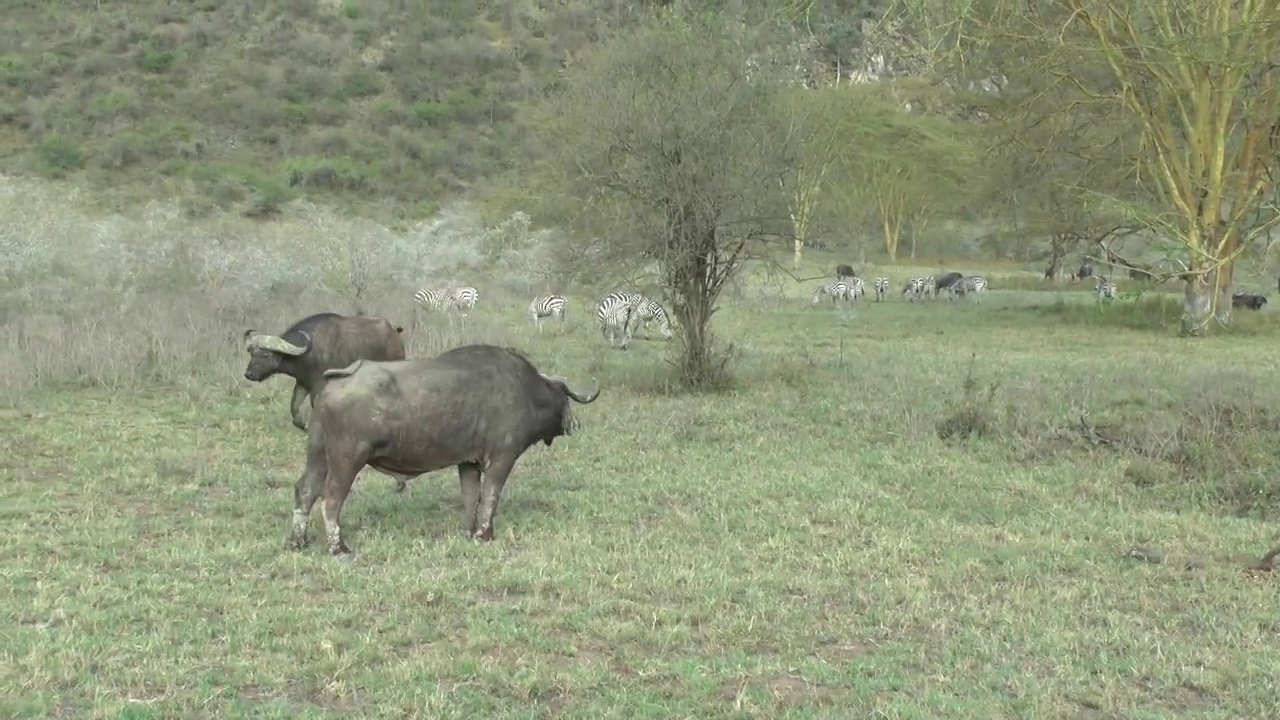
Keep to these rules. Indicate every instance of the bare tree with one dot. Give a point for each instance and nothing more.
(667, 145)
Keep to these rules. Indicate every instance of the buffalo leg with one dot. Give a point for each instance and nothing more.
(295, 406)
(469, 480)
(337, 485)
(306, 491)
(495, 478)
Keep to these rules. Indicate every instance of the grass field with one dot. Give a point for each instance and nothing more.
(946, 510)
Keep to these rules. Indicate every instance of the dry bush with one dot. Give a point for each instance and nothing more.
(121, 300)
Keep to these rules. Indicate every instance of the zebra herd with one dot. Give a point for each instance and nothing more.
(619, 314)
(852, 288)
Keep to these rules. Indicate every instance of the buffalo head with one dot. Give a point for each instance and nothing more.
(267, 352)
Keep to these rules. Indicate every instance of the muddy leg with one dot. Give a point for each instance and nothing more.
(469, 480)
(336, 487)
(295, 406)
(495, 477)
(306, 491)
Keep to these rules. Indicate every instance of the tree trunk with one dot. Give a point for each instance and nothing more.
(799, 253)
(1207, 299)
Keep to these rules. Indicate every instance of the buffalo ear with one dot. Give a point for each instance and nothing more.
(249, 333)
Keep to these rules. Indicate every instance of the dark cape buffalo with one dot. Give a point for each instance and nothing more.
(318, 343)
(946, 280)
(1248, 300)
(845, 271)
(478, 407)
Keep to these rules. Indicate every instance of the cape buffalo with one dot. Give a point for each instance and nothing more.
(1248, 300)
(845, 271)
(1086, 270)
(318, 343)
(478, 407)
(946, 280)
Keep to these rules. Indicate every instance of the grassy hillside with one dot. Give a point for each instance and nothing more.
(245, 105)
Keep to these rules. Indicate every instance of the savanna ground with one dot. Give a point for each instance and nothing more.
(1023, 508)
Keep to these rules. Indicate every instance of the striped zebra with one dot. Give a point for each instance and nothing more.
(835, 289)
(881, 285)
(647, 310)
(548, 306)
(974, 285)
(857, 288)
(930, 287)
(1104, 289)
(914, 288)
(434, 299)
(464, 299)
(614, 313)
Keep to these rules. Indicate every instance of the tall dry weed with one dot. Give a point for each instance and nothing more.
(121, 300)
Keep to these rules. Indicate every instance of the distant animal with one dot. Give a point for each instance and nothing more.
(477, 407)
(646, 310)
(548, 306)
(973, 285)
(857, 288)
(834, 289)
(944, 281)
(317, 343)
(914, 288)
(1248, 300)
(1086, 270)
(465, 299)
(1104, 289)
(614, 314)
(434, 299)
(882, 288)
(844, 272)
(930, 289)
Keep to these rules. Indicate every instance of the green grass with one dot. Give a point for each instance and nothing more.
(805, 545)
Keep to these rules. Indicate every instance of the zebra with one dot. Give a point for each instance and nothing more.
(914, 288)
(881, 285)
(857, 288)
(964, 286)
(1104, 289)
(464, 299)
(835, 289)
(930, 289)
(434, 299)
(548, 306)
(614, 314)
(647, 310)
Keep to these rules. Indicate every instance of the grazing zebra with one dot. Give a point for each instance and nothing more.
(1104, 289)
(647, 310)
(964, 286)
(882, 288)
(614, 314)
(548, 306)
(434, 299)
(464, 299)
(835, 289)
(930, 289)
(914, 288)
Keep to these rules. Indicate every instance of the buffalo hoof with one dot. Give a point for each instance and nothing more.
(295, 542)
(339, 548)
(400, 484)
(484, 534)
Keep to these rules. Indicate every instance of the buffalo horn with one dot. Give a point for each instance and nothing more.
(274, 344)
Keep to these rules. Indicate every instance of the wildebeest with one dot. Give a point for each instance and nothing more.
(478, 407)
(946, 280)
(318, 343)
(1248, 300)
(845, 271)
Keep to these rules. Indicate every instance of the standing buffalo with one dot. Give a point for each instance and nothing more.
(1085, 271)
(946, 280)
(1248, 300)
(318, 343)
(844, 272)
(478, 407)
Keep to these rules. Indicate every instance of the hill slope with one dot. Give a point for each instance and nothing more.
(243, 105)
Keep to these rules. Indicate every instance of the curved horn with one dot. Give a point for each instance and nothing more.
(563, 384)
(279, 345)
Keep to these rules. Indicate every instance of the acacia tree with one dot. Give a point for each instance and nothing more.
(899, 159)
(1198, 81)
(667, 145)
